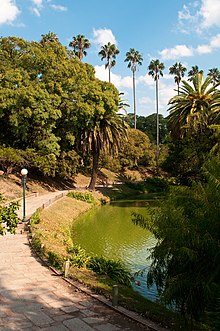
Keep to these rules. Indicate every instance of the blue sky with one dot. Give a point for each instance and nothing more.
(171, 31)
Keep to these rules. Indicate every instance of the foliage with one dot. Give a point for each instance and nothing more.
(109, 52)
(36, 217)
(79, 45)
(10, 159)
(185, 262)
(8, 217)
(114, 269)
(195, 108)
(156, 184)
(137, 150)
(83, 196)
(148, 125)
(55, 260)
(179, 71)
(49, 103)
(78, 256)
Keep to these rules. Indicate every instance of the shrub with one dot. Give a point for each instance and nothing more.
(114, 269)
(156, 184)
(83, 196)
(78, 256)
(35, 218)
(8, 217)
(55, 260)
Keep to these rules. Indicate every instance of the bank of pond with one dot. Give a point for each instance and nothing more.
(108, 231)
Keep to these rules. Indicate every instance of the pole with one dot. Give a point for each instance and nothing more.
(24, 173)
(23, 185)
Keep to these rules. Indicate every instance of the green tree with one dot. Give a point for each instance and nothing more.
(8, 216)
(49, 37)
(215, 75)
(179, 71)
(134, 58)
(79, 45)
(102, 128)
(136, 150)
(109, 52)
(194, 71)
(156, 70)
(186, 259)
(195, 108)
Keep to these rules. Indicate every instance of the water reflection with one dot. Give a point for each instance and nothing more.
(109, 231)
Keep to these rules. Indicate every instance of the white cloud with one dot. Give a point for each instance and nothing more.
(214, 44)
(38, 3)
(58, 7)
(146, 79)
(210, 12)
(176, 52)
(199, 16)
(103, 36)
(8, 11)
(215, 41)
(119, 81)
(204, 49)
(38, 6)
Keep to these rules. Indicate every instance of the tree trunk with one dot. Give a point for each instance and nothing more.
(109, 75)
(95, 164)
(157, 108)
(134, 96)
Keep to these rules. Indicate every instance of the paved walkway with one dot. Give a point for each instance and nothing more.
(32, 297)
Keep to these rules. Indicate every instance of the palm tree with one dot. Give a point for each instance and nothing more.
(215, 75)
(79, 45)
(156, 70)
(48, 38)
(179, 71)
(195, 108)
(195, 70)
(109, 52)
(133, 58)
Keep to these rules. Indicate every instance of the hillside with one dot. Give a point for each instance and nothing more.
(11, 187)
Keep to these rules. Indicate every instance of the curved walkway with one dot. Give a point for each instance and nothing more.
(33, 297)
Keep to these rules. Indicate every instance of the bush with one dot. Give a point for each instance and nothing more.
(55, 260)
(156, 184)
(35, 218)
(78, 256)
(114, 269)
(8, 217)
(83, 196)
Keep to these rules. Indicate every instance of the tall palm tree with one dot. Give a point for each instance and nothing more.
(179, 71)
(79, 45)
(109, 52)
(134, 58)
(214, 73)
(195, 108)
(156, 70)
(195, 70)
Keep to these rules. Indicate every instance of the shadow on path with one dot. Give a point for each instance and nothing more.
(32, 297)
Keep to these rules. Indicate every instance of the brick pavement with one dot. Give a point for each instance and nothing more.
(33, 297)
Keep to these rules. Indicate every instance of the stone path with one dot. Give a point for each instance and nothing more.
(33, 297)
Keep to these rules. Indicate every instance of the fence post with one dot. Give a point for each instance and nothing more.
(66, 268)
(115, 295)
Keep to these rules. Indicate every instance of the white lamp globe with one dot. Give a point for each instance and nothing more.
(24, 172)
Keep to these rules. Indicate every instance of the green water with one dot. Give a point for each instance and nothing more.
(109, 231)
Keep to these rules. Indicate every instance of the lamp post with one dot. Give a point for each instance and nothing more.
(24, 173)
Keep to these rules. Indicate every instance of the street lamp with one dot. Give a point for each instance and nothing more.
(24, 173)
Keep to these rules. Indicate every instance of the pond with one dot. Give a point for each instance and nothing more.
(109, 231)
